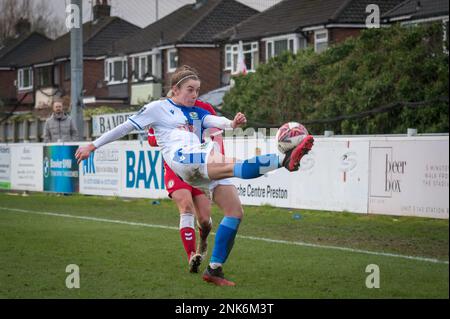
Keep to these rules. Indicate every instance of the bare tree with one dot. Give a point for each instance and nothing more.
(38, 13)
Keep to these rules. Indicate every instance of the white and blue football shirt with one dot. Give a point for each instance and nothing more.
(175, 125)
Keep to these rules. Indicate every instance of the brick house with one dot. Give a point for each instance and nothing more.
(412, 12)
(48, 67)
(417, 11)
(292, 25)
(183, 37)
(11, 53)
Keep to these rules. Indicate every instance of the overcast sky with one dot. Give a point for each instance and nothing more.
(142, 12)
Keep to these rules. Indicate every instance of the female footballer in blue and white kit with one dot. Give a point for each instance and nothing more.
(178, 127)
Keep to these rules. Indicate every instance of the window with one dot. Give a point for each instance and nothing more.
(67, 71)
(278, 45)
(25, 77)
(320, 40)
(172, 60)
(143, 67)
(118, 73)
(150, 66)
(291, 46)
(251, 56)
(44, 76)
(228, 54)
(269, 50)
(116, 70)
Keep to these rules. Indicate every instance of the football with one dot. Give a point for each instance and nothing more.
(289, 135)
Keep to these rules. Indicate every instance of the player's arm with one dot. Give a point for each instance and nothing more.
(224, 123)
(141, 119)
(123, 129)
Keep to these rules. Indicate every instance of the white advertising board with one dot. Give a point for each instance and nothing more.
(409, 177)
(388, 175)
(331, 177)
(27, 167)
(274, 188)
(106, 122)
(101, 173)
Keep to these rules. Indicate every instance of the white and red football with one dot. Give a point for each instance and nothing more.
(289, 135)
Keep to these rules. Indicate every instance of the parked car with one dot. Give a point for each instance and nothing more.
(215, 97)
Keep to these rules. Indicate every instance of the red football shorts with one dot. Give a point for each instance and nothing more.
(174, 183)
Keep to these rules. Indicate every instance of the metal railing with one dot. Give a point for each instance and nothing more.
(32, 131)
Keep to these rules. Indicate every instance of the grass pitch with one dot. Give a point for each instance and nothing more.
(123, 253)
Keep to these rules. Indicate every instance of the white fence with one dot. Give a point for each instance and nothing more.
(406, 176)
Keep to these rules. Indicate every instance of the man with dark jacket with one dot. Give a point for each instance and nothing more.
(59, 127)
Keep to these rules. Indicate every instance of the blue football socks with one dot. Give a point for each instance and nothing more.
(256, 166)
(224, 241)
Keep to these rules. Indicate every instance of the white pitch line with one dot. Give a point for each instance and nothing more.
(268, 240)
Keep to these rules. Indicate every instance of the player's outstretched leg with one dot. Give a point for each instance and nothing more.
(292, 159)
(220, 167)
(226, 197)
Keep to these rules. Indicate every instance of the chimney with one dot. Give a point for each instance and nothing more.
(23, 26)
(101, 9)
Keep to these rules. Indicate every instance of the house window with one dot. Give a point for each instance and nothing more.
(116, 70)
(278, 45)
(142, 67)
(172, 60)
(228, 55)
(150, 66)
(67, 71)
(251, 56)
(320, 40)
(269, 50)
(25, 77)
(44, 76)
(234, 59)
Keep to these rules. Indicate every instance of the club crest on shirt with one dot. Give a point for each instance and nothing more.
(193, 115)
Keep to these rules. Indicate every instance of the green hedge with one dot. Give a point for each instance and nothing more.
(380, 67)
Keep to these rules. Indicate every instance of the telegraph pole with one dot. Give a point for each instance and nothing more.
(76, 59)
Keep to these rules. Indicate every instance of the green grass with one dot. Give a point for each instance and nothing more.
(126, 261)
